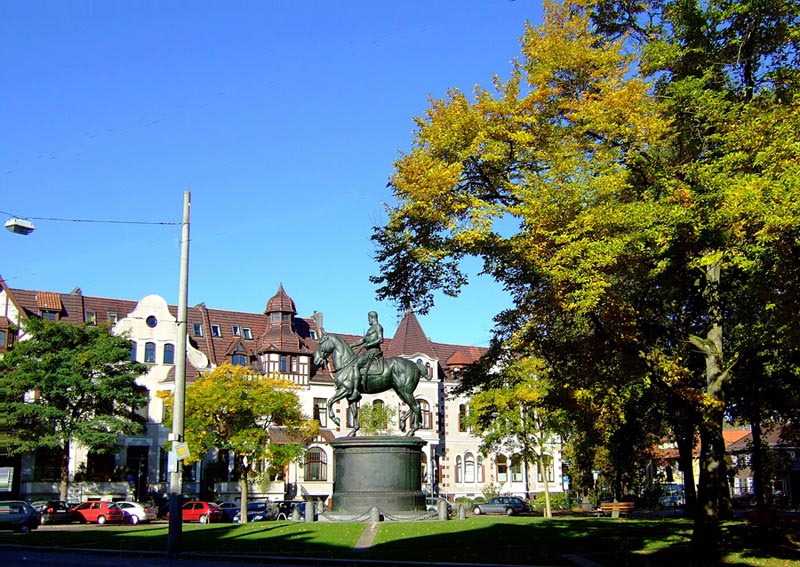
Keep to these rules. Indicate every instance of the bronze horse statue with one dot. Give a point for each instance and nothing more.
(399, 374)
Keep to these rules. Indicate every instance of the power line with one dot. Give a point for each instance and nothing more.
(89, 220)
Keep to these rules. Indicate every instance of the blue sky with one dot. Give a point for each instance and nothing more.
(282, 118)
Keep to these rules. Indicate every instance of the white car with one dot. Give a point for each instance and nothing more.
(138, 511)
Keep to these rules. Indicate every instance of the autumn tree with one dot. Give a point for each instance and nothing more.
(68, 385)
(233, 408)
(636, 170)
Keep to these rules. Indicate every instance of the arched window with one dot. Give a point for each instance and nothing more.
(169, 353)
(481, 470)
(502, 468)
(459, 470)
(425, 411)
(516, 468)
(150, 352)
(469, 468)
(316, 465)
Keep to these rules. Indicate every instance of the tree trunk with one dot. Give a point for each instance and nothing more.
(757, 466)
(63, 487)
(686, 442)
(243, 493)
(707, 535)
(548, 513)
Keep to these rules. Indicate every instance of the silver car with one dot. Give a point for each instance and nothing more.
(509, 505)
(18, 516)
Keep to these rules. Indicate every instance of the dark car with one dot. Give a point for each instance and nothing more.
(258, 512)
(229, 510)
(18, 516)
(53, 511)
(509, 505)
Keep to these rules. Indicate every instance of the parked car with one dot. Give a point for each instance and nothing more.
(229, 510)
(138, 511)
(100, 511)
(258, 512)
(509, 505)
(53, 511)
(286, 508)
(201, 511)
(18, 516)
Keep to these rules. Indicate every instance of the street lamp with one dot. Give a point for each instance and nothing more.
(19, 226)
(179, 399)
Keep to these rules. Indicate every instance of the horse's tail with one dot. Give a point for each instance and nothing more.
(423, 370)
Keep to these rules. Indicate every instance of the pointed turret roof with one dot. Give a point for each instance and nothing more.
(410, 339)
(280, 302)
(280, 334)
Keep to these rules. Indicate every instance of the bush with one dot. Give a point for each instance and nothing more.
(558, 501)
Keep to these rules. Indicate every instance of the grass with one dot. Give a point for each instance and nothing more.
(488, 540)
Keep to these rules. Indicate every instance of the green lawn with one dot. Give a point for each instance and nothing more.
(496, 540)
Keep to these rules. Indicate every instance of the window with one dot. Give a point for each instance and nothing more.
(150, 352)
(247, 333)
(469, 468)
(462, 417)
(481, 470)
(49, 315)
(197, 329)
(163, 460)
(90, 317)
(516, 468)
(112, 316)
(2, 339)
(46, 464)
(547, 465)
(151, 321)
(321, 411)
(239, 359)
(316, 465)
(379, 405)
(216, 331)
(459, 471)
(349, 413)
(133, 351)
(425, 411)
(275, 317)
(283, 363)
(169, 354)
(293, 363)
(312, 335)
(502, 468)
(235, 330)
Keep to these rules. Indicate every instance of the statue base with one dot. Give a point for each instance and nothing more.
(377, 472)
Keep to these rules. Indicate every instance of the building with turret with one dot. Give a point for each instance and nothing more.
(276, 342)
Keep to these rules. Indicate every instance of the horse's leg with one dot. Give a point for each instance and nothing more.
(337, 395)
(353, 408)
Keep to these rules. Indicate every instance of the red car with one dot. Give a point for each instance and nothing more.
(99, 511)
(201, 511)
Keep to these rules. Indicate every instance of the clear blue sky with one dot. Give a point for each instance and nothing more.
(283, 119)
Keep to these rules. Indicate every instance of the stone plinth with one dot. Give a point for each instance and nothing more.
(377, 471)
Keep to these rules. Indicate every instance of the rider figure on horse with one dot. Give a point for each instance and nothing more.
(371, 340)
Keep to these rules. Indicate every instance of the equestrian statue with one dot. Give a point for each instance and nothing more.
(369, 373)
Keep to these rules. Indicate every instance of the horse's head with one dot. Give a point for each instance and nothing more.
(324, 349)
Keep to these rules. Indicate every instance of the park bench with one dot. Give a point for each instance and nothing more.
(614, 509)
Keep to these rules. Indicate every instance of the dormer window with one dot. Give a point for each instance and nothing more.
(247, 333)
(235, 330)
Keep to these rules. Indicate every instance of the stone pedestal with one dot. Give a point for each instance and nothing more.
(377, 471)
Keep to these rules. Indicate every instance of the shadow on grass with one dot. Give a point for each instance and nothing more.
(499, 541)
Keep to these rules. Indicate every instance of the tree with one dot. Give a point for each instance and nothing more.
(232, 408)
(510, 416)
(636, 170)
(69, 384)
(374, 418)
